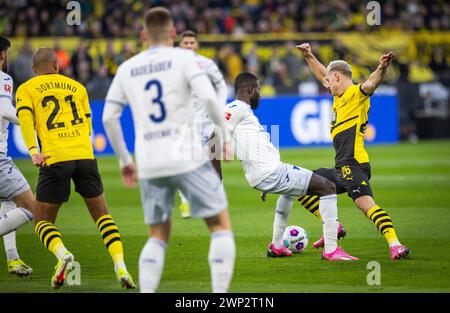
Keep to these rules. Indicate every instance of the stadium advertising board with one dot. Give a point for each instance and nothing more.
(292, 122)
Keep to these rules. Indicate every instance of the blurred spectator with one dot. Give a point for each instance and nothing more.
(420, 73)
(81, 61)
(98, 87)
(83, 70)
(126, 52)
(292, 61)
(439, 65)
(62, 56)
(252, 60)
(21, 66)
(282, 81)
(110, 59)
(230, 62)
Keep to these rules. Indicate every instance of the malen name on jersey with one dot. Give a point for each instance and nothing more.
(69, 134)
(151, 68)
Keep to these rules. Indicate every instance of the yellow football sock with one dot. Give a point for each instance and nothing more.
(50, 237)
(311, 203)
(111, 238)
(384, 224)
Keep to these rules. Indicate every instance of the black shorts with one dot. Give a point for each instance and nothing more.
(352, 178)
(54, 181)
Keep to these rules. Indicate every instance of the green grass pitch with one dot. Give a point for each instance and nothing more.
(412, 182)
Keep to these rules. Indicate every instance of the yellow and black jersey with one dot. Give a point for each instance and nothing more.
(57, 108)
(348, 124)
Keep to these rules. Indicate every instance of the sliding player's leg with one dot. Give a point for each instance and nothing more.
(383, 222)
(282, 212)
(289, 181)
(205, 191)
(15, 265)
(326, 190)
(311, 202)
(358, 188)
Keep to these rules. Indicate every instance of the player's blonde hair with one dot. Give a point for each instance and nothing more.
(340, 66)
(157, 23)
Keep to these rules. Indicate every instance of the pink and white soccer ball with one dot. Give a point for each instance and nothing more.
(295, 238)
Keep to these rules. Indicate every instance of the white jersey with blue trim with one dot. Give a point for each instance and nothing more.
(6, 91)
(212, 70)
(258, 156)
(157, 84)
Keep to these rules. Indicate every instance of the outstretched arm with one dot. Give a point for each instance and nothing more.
(377, 76)
(318, 69)
(7, 111)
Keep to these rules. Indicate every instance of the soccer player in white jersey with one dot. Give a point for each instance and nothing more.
(159, 84)
(189, 41)
(13, 185)
(265, 172)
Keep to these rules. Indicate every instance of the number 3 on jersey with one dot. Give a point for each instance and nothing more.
(157, 118)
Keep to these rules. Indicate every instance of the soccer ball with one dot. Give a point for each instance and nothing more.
(295, 238)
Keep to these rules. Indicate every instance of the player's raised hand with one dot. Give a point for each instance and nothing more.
(386, 59)
(39, 160)
(129, 175)
(305, 49)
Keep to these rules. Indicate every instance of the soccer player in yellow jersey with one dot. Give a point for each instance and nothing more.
(349, 120)
(56, 108)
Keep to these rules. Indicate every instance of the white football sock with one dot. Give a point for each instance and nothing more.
(151, 264)
(221, 257)
(14, 219)
(328, 210)
(282, 212)
(9, 240)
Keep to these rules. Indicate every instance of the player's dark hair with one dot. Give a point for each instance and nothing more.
(188, 33)
(243, 80)
(4, 43)
(155, 22)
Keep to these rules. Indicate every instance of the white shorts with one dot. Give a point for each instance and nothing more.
(287, 179)
(202, 187)
(12, 182)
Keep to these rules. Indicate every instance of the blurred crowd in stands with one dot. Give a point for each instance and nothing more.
(281, 71)
(121, 18)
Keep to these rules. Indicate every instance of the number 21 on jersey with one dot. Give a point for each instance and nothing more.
(52, 121)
